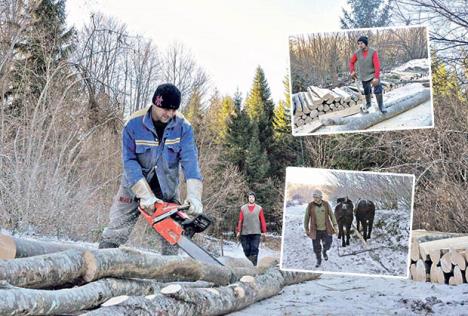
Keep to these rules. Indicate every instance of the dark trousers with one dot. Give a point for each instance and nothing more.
(322, 238)
(378, 89)
(250, 245)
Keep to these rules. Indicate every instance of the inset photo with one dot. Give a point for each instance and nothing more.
(361, 80)
(347, 222)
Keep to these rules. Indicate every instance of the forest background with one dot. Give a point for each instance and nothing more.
(65, 93)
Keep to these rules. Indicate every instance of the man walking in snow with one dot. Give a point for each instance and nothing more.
(249, 227)
(320, 224)
(155, 142)
(368, 73)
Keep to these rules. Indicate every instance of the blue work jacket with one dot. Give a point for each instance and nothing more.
(144, 155)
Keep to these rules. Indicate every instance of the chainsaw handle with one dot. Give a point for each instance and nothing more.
(183, 207)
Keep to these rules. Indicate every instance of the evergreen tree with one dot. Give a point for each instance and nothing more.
(46, 43)
(193, 111)
(237, 139)
(238, 100)
(260, 108)
(366, 13)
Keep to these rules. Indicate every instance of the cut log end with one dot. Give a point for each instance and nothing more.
(171, 289)
(248, 279)
(7, 247)
(239, 292)
(115, 300)
(91, 266)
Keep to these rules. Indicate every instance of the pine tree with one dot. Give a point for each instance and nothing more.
(237, 139)
(238, 100)
(260, 108)
(366, 13)
(193, 111)
(46, 43)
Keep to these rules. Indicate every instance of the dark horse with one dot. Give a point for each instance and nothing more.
(344, 217)
(365, 212)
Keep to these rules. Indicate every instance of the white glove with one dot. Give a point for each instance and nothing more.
(147, 198)
(194, 194)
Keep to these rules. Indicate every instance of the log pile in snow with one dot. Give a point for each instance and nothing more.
(313, 104)
(312, 107)
(439, 257)
(120, 281)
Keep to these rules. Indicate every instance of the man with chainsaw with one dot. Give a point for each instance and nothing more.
(250, 227)
(368, 73)
(320, 224)
(155, 142)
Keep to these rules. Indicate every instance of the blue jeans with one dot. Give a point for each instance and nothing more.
(250, 244)
(378, 89)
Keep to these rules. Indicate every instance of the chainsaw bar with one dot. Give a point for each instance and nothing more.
(197, 253)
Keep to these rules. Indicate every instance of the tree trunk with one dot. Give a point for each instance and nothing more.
(457, 277)
(16, 247)
(50, 270)
(177, 300)
(127, 263)
(19, 301)
(394, 108)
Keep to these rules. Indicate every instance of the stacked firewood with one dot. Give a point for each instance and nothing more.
(439, 257)
(316, 102)
(49, 280)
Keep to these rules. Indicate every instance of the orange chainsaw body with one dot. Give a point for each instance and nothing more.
(168, 228)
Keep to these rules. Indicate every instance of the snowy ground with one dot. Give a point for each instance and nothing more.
(420, 116)
(352, 295)
(389, 240)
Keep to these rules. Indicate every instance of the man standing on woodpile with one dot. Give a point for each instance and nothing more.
(250, 227)
(368, 73)
(320, 224)
(155, 142)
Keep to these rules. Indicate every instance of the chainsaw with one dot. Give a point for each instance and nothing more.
(177, 228)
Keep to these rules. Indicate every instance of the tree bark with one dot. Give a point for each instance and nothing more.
(177, 300)
(49, 270)
(19, 301)
(394, 108)
(16, 247)
(127, 263)
(457, 277)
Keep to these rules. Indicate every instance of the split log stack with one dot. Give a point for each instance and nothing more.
(122, 281)
(313, 104)
(439, 257)
(317, 103)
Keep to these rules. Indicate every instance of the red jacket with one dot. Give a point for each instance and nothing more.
(375, 59)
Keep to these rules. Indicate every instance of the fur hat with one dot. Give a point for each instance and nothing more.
(167, 96)
(317, 193)
(363, 39)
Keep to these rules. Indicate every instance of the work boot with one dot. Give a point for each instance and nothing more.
(107, 244)
(319, 260)
(379, 98)
(253, 259)
(325, 256)
(368, 104)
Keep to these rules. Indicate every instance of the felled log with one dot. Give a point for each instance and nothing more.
(394, 108)
(436, 274)
(49, 270)
(444, 245)
(75, 266)
(127, 263)
(177, 300)
(16, 247)
(323, 94)
(422, 235)
(20, 301)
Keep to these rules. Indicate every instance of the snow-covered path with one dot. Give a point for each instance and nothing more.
(354, 295)
(389, 239)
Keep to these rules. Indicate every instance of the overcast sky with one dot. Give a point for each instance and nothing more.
(228, 38)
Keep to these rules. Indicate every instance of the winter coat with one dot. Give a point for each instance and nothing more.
(144, 155)
(312, 226)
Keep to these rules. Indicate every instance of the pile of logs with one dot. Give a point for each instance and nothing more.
(316, 102)
(122, 281)
(439, 257)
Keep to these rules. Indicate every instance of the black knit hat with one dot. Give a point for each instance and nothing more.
(167, 96)
(363, 39)
(252, 193)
